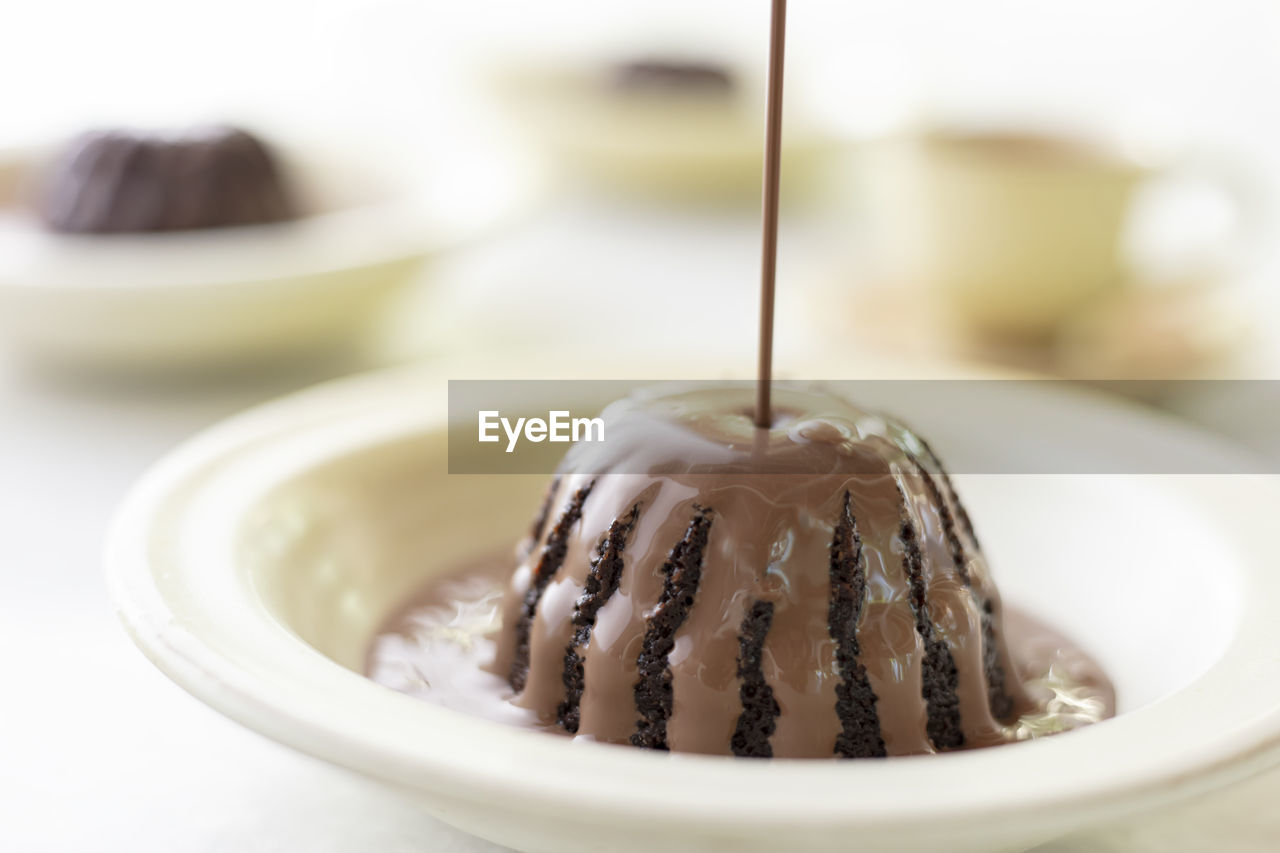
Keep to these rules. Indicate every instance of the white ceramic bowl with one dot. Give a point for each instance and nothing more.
(254, 564)
(675, 147)
(194, 299)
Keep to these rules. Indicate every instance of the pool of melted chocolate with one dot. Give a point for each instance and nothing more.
(441, 645)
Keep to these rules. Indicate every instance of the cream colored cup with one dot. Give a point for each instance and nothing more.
(1013, 232)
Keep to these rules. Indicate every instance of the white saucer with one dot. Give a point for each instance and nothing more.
(664, 146)
(254, 564)
(194, 299)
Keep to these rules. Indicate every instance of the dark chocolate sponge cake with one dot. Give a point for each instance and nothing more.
(812, 590)
(110, 182)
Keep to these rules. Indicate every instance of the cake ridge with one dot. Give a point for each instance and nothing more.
(554, 550)
(860, 735)
(601, 583)
(949, 490)
(1002, 705)
(682, 572)
(1000, 702)
(759, 707)
(940, 677)
(954, 545)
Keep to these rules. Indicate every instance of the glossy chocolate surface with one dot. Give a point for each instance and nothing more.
(699, 585)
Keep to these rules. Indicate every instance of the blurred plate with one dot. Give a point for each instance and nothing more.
(200, 299)
(665, 144)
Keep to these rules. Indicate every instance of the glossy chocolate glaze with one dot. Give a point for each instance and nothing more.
(439, 648)
(724, 524)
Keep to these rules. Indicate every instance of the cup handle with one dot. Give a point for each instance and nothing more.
(1202, 218)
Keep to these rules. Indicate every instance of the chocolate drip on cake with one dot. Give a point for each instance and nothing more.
(1002, 704)
(856, 703)
(948, 525)
(681, 574)
(941, 679)
(602, 582)
(759, 708)
(961, 513)
(552, 557)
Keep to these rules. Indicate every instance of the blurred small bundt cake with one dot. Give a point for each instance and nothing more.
(119, 182)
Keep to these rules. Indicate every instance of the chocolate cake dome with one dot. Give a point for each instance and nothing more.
(111, 182)
(813, 590)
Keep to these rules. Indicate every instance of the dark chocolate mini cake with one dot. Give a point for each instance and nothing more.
(812, 590)
(113, 182)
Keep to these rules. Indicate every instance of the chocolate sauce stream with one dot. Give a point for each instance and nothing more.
(769, 242)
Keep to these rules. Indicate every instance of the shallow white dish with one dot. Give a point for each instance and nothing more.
(254, 564)
(660, 145)
(208, 297)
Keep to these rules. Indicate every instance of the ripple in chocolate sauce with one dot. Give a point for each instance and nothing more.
(439, 646)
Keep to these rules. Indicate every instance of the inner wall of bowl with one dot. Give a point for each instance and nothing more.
(1125, 565)
(326, 182)
(334, 552)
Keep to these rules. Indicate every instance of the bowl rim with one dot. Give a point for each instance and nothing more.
(1227, 723)
(408, 217)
